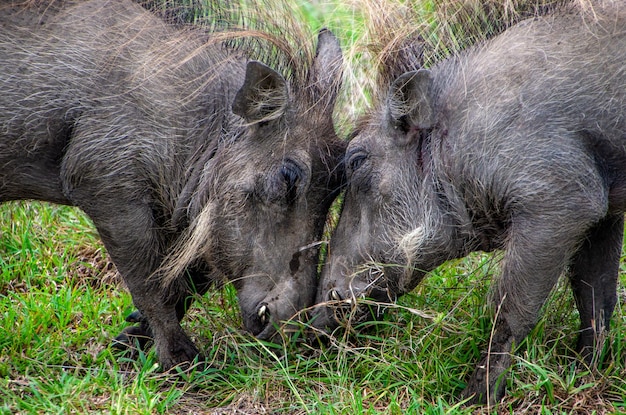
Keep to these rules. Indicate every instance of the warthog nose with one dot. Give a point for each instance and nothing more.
(264, 314)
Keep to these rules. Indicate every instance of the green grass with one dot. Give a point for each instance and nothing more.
(61, 304)
(60, 308)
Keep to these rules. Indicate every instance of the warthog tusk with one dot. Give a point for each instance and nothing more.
(263, 313)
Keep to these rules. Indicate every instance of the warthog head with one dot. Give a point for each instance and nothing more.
(268, 190)
(391, 230)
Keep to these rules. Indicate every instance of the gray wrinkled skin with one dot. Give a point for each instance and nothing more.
(517, 145)
(194, 164)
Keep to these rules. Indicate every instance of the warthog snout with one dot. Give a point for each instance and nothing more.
(272, 325)
(275, 314)
(260, 319)
(355, 298)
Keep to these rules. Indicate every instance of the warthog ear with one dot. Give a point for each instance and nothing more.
(327, 69)
(264, 95)
(410, 102)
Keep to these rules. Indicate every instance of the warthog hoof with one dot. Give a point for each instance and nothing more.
(486, 385)
(133, 338)
(136, 337)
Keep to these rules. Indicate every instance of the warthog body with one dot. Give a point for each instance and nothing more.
(516, 145)
(194, 163)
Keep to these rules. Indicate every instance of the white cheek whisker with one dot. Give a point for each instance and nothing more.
(411, 242)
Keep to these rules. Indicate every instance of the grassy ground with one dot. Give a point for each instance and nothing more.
(61, 304)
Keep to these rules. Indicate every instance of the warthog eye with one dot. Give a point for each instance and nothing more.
(355, 159)
(292, 175)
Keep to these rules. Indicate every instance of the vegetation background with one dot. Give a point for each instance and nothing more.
(61, 301)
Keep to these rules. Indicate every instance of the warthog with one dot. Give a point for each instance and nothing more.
(195, 163)
(517, 145)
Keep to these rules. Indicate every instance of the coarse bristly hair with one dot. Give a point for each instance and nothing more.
(401, 37)
(272, 32)
(457, 71)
